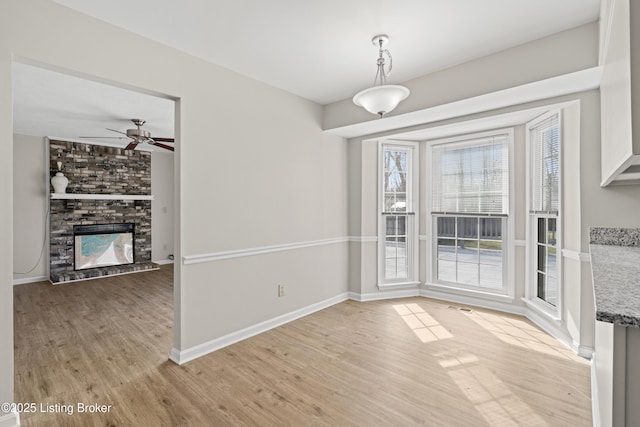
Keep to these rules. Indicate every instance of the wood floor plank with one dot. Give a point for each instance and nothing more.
(411, 361)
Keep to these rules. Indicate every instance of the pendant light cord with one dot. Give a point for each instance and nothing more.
(44, 243)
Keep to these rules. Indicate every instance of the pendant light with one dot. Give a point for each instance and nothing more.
(381, 98)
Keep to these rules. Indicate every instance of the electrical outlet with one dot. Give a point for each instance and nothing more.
(280, 290)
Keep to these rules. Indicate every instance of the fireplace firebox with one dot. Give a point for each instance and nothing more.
(103, 245)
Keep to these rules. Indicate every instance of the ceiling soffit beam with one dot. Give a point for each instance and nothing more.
(565, 84)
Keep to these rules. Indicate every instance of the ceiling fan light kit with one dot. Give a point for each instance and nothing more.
(381, 98)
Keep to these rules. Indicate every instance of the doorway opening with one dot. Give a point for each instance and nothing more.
(121, 321)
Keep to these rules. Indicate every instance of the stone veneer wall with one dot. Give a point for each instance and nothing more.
(95, 169)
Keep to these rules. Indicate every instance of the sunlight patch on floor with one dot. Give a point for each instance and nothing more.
(491, 397)
(522, 334)
(426, 328)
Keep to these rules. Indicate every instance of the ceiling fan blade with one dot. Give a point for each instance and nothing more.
(166, 147)
(131, 146)
(103, 137)
(163, 139)
(117, 131)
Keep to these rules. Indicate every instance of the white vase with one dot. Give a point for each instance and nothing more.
(59, 183)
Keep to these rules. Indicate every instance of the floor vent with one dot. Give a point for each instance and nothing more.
(465, 309)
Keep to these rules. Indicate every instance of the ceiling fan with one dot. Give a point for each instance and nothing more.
(138, 136)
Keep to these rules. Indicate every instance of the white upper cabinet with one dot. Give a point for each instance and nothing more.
(620, 92)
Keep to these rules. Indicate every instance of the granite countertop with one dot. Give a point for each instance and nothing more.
(615, 266)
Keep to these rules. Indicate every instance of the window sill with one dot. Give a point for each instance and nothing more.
(400, 285)
(491, 296)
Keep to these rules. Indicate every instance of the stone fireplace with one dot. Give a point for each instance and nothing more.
(108, 195)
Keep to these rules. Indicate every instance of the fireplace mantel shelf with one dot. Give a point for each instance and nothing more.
(71, 196)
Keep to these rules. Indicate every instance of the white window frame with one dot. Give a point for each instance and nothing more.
(506, 294)
(412, 225)
(531, 288)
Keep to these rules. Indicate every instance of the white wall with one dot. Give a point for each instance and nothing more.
(254, 169)
(575, 318)
(162, 206)
(6, 235)
(363, 197)
(30, 206)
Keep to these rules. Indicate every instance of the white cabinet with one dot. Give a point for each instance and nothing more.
(620, 92)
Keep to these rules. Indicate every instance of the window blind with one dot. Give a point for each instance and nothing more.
(545, 144)
(471, 176)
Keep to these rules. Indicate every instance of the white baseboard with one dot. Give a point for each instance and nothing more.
(473, 301)
(184, 356)
(552, 327)
(376, 296)
(163, 261)
(12, 419)
(175, 355)
(582, 350)
(549, 326)
(30, 280)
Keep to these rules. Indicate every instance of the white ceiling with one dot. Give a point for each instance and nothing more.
(321, 49)
(48, 103)
(318, 49)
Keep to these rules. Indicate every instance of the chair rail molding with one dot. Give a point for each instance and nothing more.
(238, 253)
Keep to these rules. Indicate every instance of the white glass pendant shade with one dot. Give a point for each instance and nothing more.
(381, 99)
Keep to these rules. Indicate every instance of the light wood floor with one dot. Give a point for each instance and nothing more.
(404, 362)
